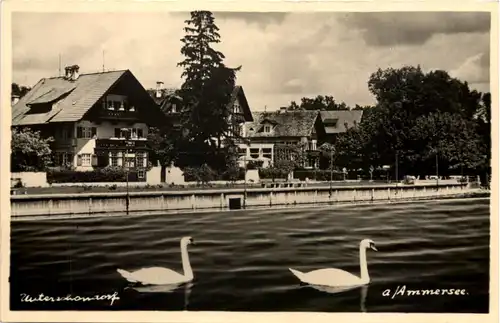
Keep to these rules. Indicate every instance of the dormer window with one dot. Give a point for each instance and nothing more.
(174, 108)
(267, 128)
(236, 107)
(331, 122)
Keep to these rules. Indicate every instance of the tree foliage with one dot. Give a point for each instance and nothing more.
(320, 102)
(19, 90)
(29, 151)
(206, 93)
(419, 116)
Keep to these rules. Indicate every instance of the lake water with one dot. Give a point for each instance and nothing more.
(241, 258)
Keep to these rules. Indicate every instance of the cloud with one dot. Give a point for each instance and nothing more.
(472, 70)
(398, 28)
(284, 56)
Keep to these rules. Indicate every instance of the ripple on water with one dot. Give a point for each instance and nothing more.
(241, 259)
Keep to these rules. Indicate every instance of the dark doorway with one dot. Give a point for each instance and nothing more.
(235, 203)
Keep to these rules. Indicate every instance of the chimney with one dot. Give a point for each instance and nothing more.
(76, 72)
(159, 88)
(14, 99)
(72, 72)
(67, 74)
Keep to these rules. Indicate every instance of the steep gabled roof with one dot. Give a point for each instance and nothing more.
(336, 121)
(237, 93)
(81, 95)
(287, 123)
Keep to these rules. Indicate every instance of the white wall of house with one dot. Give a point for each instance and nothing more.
(257, 151)
(105, 130)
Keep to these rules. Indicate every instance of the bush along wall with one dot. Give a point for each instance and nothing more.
(318, 175)
(108, 174)
(272, 173)
(205, 174)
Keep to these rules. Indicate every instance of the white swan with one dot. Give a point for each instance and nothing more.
(334, 277)
(160, 275)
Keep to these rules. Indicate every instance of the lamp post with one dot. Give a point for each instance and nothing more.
(128, 144)
(397, 164)
(245, 181)
(437, 170)
(331, 170)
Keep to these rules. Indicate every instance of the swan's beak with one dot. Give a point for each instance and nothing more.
(192, 241)
(373, 247)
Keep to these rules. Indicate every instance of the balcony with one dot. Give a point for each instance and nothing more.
(120, 144)
(118, 114)
(65, 143)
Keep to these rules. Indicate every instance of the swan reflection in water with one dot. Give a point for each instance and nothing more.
(166, 289)
(337, 290)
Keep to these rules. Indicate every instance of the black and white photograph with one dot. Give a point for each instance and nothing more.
(251, 161)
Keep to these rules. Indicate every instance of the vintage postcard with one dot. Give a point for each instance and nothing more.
(241, 161)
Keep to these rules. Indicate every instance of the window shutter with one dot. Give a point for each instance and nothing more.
(94, 160)
(79, 160)
(79, 132)
(117, 132)
(94, 132)
(139, 132)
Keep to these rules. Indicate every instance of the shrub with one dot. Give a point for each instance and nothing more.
(108, 174)
(272, 173)
(205, 174)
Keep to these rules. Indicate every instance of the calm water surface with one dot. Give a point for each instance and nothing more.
(241, 258)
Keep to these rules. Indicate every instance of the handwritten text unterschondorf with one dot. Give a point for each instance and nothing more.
(69, 298)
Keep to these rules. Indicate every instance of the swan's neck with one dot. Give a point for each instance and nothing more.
(365, 277)
(186, 265)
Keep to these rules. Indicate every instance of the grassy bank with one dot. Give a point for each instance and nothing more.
(166, 187)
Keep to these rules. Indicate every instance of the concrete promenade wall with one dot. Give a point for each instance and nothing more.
(223, 199)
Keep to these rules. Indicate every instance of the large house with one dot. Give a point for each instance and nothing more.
(311, 128)
(171, 104)
(269, 130)
(97, 119)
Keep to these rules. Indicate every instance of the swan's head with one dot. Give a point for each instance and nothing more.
(368, 243)
(187, 241)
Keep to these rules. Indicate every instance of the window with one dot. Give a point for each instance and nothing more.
(116, 103)
(237, 129)
(254, 152)
(57, 159)
(267, 152)
(129, 160)
(84, 160)
(86, 132)
(65, 133)
(114, 159)
(140, 159)
(66, 159)
(174, 108)
(267, 129)
(242, 152)
(236, 107)
(134, 133)
(141, 174)
(312, 145)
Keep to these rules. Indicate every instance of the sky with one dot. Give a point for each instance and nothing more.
(284, 56)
